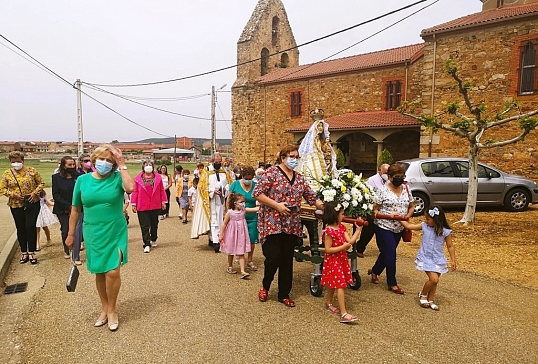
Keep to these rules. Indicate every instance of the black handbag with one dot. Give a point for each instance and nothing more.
(72, 280)
(26, 202)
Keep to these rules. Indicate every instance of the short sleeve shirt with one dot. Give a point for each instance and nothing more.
(391, 204)
(275, 184)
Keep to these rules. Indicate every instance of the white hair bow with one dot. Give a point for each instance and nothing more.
(433, 212)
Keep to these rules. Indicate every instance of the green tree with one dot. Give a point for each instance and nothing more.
(385, 158)
(114, 142)
(340, 159)
(472, 127)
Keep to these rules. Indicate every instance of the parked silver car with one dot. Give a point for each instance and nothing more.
(445, 181)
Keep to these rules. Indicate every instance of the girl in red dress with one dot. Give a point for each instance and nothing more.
(336, 271)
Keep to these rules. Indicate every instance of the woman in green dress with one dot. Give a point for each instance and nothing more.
(245, 186)
(101, 194)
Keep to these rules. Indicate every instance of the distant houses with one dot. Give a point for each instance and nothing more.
(185, 149)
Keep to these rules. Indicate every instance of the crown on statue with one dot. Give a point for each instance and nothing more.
(317, 114)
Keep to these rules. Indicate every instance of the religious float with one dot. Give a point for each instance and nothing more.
(318, 165)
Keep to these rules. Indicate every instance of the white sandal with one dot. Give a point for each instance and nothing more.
(424, 303)
(433, 306)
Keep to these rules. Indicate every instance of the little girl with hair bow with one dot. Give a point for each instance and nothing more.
(431, 257)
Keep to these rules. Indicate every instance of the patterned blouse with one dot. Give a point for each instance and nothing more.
(29, 180)
(390, 204)
(275, 184)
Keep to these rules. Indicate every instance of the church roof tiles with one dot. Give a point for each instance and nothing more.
(362, 120)
(484, 17)
(362, 61)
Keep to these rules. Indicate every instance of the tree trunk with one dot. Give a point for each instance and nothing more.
(472, 192)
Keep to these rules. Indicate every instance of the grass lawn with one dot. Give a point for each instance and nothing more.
(46, 169)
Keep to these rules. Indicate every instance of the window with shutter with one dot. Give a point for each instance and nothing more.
(527, 70)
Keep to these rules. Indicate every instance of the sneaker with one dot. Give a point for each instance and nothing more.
(147, 249)
(181, 216)
(153, 244)
(161, 217)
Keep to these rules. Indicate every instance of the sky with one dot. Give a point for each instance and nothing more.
(122, 42)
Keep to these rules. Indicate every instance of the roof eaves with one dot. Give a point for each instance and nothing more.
(457, 28)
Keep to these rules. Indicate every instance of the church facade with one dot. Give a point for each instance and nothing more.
(273, 93)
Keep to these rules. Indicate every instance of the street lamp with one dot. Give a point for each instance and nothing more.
(213, 122)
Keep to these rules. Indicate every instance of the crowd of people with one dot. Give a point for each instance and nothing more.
(237, 208)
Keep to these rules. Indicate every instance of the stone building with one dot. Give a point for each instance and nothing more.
(271, 99)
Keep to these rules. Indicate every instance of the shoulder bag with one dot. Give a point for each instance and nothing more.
(407, 235)
(27, 203)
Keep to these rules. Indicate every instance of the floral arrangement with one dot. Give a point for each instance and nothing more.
(351, 192)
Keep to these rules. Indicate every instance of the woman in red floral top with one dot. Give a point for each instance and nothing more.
(280, 191)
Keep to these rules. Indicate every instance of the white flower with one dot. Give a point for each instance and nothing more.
(338, 207)
(354, 203)
(364, 206)
(345, 204)
(336, 183)
(328, 198)
(347, 197)
(354, 192)
(356, 179)
(370, 206)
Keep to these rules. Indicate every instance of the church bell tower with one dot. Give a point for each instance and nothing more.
(266, 33)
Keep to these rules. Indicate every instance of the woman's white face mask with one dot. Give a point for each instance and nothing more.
(17, 166)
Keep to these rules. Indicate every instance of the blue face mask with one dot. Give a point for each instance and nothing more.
(292, 163)
(247, 182)
(103, 167)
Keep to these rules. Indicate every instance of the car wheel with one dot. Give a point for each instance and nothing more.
(516, 200)
(421, 203)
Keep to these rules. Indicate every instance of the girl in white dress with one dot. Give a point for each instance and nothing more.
(45, 218)
(431, 256)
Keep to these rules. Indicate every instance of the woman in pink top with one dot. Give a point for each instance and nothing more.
(148, 201)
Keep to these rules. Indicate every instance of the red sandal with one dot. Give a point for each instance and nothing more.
(287, 301)
(262, 294)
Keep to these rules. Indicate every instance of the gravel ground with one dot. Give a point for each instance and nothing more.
(177, 304)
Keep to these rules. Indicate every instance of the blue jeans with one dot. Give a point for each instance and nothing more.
(387, 242)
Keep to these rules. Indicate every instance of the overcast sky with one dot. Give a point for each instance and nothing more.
(133, 41)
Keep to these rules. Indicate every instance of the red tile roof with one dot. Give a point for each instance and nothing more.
(363, 120)
(362, 61)
(485, 17)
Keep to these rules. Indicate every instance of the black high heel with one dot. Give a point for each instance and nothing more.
(24, 259)
(33, 259)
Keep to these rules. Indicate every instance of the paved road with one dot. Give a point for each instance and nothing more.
(178, 305)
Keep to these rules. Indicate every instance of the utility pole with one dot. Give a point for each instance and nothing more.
(79, 117)
(213, 122)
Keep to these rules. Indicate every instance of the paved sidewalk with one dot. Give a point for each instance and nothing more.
(178, 305)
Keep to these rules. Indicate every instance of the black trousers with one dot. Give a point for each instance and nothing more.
(167, 211)
(149, 221)
(367, 234)
(64, 228)
(278, 251)
(25, 220)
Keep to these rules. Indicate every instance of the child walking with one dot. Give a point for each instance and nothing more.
(233, 237)
(45, 218)
(431, 257)
(193, 193)
(336, 273)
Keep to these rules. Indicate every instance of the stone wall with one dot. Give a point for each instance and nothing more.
(489, 56)
(259, 35)
(261, 113)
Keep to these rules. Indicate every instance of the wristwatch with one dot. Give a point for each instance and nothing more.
(124, 167)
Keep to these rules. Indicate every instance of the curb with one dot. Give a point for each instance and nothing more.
(6, 256)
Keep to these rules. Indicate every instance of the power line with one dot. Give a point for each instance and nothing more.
(227, 127)
(151, 98)
(257, 59)
(354, 44)
(148, 106)
(41, 66)
(125, 117)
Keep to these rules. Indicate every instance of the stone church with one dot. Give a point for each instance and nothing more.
(274, 93)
